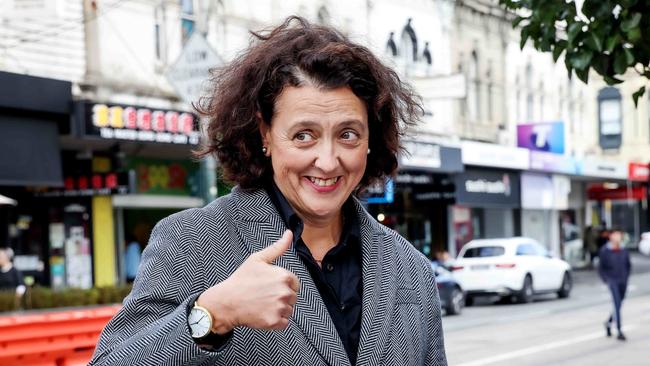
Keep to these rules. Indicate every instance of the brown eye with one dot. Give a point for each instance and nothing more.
(350, 136)
(303, 137)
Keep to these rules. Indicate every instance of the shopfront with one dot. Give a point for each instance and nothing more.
(416, 203)
(149, 150)
(33, 112)
(487, 193)
(623, 204)
(487, 203)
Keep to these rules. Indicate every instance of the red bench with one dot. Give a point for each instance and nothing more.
(57, 338)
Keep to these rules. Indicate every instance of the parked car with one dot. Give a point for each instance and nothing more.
(452, 296)
(644, 244)
(510, 267)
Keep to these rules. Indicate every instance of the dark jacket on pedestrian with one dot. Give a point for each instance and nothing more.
(614, 266)
(11, 279)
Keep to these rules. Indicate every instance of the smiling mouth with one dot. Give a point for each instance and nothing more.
(324, 182)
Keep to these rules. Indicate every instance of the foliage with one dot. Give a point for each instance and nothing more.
(44, 298)
(607, 36)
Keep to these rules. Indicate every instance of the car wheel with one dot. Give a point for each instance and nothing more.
(567, 285)
(456, 302)
(526, 294)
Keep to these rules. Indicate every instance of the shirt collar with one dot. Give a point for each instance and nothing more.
(294, 223)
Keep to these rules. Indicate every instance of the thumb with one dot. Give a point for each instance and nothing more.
(270, 253)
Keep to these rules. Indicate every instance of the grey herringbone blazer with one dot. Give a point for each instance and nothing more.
(197, 248)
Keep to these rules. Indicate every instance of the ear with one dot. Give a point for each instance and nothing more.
(265, 132)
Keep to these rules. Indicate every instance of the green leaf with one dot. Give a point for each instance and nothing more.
(631, 23)
(612, 42)
(612, 80)
(583, 75)
(620, 63)
(518, 20)
(558, 49)
(594, 42)
(569, 68)
(628, 3)
(574, 30)
(524, 37)
(638, 94)
(634, 34)
(581, 60)
(629, 56)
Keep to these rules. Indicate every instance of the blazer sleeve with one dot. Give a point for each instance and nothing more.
(151, 328)
(436, 352)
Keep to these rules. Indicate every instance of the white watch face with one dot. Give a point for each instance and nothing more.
(200, 323)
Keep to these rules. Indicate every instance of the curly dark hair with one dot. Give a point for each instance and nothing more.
(294, 53)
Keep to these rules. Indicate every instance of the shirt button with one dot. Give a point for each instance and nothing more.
(330, 267)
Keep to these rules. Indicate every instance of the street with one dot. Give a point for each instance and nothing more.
(555, 332)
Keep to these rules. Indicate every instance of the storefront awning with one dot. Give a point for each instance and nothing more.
(29, 152)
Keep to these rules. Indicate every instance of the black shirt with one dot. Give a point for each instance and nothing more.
(339, 280)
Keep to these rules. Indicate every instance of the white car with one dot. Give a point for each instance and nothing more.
(508, 267)
(644, 244)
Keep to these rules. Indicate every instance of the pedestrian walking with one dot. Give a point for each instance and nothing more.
(289, 268)
(614, 269)
(10, 278)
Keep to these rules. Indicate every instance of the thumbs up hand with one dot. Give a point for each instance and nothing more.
(257, 295)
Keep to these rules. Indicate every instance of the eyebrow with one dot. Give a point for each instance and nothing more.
(313, 124)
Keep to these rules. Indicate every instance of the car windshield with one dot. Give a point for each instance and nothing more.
(488, 251)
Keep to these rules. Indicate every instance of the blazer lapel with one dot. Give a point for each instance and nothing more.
(379, 290)
(260, 225)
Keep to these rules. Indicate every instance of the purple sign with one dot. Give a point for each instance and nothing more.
(547, 137)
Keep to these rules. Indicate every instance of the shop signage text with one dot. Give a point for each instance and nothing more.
(141, 124)
(639, 172)
(547, 137)
(487, 188)
(491, 187)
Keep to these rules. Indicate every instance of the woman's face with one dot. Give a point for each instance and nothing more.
(318, 144)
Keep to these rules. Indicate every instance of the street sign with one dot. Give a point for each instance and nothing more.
(191, 69)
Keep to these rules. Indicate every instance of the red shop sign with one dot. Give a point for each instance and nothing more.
(639, 172)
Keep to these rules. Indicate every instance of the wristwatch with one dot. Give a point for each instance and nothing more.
(200, 322)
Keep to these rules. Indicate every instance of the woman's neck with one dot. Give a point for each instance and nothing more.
(321, 236)
(6, 267)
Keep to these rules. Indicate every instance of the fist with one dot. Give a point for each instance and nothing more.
(257, 295)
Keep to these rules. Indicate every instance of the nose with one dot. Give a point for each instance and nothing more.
(327, 159)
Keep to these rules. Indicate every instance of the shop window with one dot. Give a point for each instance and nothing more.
(473, 96)
(490, 92)
(541, 101)
(610, 118)
(529, 92)
(160, 33)
(188, 19)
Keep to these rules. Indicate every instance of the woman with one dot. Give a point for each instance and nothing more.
(301, 121)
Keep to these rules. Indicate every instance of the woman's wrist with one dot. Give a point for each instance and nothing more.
(216, 302)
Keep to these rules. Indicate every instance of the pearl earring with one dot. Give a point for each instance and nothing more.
(264, 149)
(368, 152)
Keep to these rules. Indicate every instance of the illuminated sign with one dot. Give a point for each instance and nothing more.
(140, 124)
